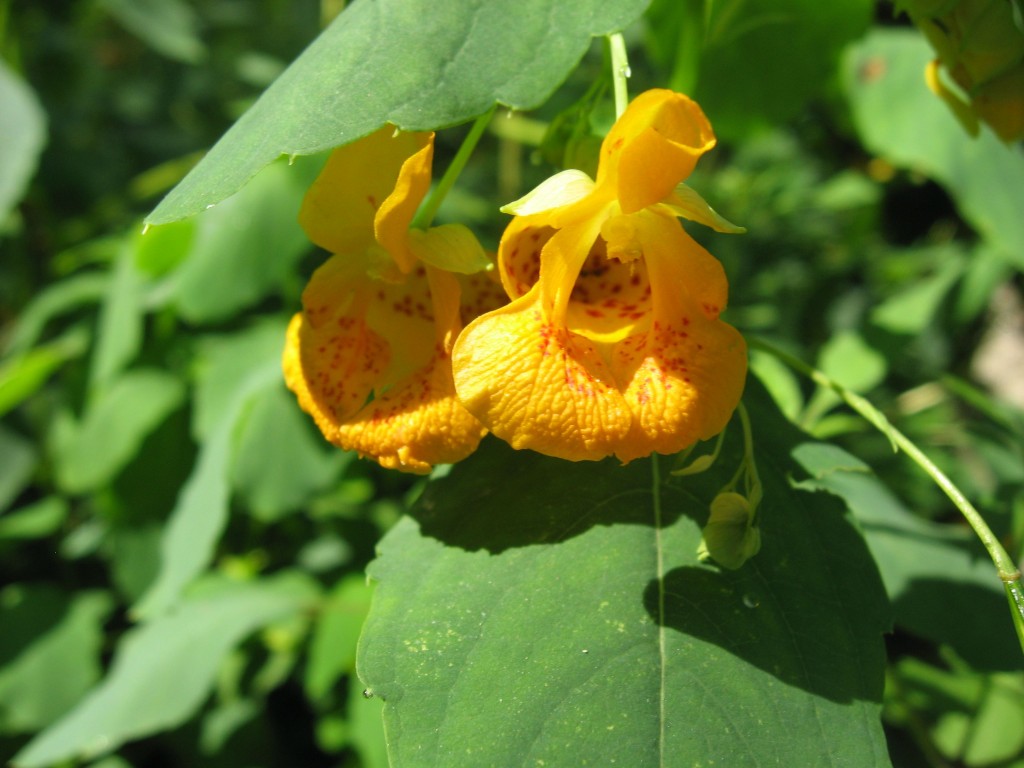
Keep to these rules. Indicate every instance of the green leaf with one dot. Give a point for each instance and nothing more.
(911, 310)
(158, 250)
(728, 537)
(167, 26)
(89, 454)
(55, 300)
(34, 521)
(332, 651)
(23, 126)
(119, 330)
(939, 579)
(49, 653)
(19, 459)
(244, 248)
(234, 369)
(847, 359)
(763, 63)
(164, 670)
(539, 612)
(898, 118)
(232, 365)
(366, 728)
(278, 461)
(419, 64)
(22, 376)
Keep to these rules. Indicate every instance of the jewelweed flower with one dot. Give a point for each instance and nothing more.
(612, 342)
(369, 355)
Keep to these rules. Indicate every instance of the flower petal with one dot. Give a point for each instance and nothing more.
(682, 378)
(652, 147)
(537, 385)
(357, 185)
(687, 203)
(415, 424)
(403, 314)
(332, 368)
(396, 213)
(563, 188)
(519, 253)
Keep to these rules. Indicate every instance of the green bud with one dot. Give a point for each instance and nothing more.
(730, 537)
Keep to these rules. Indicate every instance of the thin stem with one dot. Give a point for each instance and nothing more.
(1008, 571)
(686, 67)
(620, 71)
(425, 215)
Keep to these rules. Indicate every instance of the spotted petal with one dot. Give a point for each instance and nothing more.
(415, 424)
(537, 385)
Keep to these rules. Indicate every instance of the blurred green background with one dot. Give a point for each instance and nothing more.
(182, 555)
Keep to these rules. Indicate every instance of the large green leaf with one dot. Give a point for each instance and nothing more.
(89, 454)
(280, 461)
(539, 612)
(164, 669)
(235, 369)
(419, 64)
(49, 653)
(898, 118)
(245, 248)
(23, 127)
(19, 459)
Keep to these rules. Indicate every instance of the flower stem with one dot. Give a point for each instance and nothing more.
(1009, 574)
(686, 67)
(425, 216)
(620, 71)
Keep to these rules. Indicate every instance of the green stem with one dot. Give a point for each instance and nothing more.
(620, 71)
(1008, 571)
(686, 67)
(425, 215)
(753, 480)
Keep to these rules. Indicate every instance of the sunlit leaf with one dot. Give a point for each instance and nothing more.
(167, 26)
(19, 458)
(22, 376)
(49, 653)
(23, 127)
(90, 454)
(119, 331)
(280, 461)
(898, 118)
(235, 369)
(34, 521)
(163, 670)
(245, 247)
(332, 651)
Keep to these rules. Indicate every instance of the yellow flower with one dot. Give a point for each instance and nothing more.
(369, 355)
(612, 342)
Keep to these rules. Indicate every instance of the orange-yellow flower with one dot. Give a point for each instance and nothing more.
(612, 342)
(369, 355)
